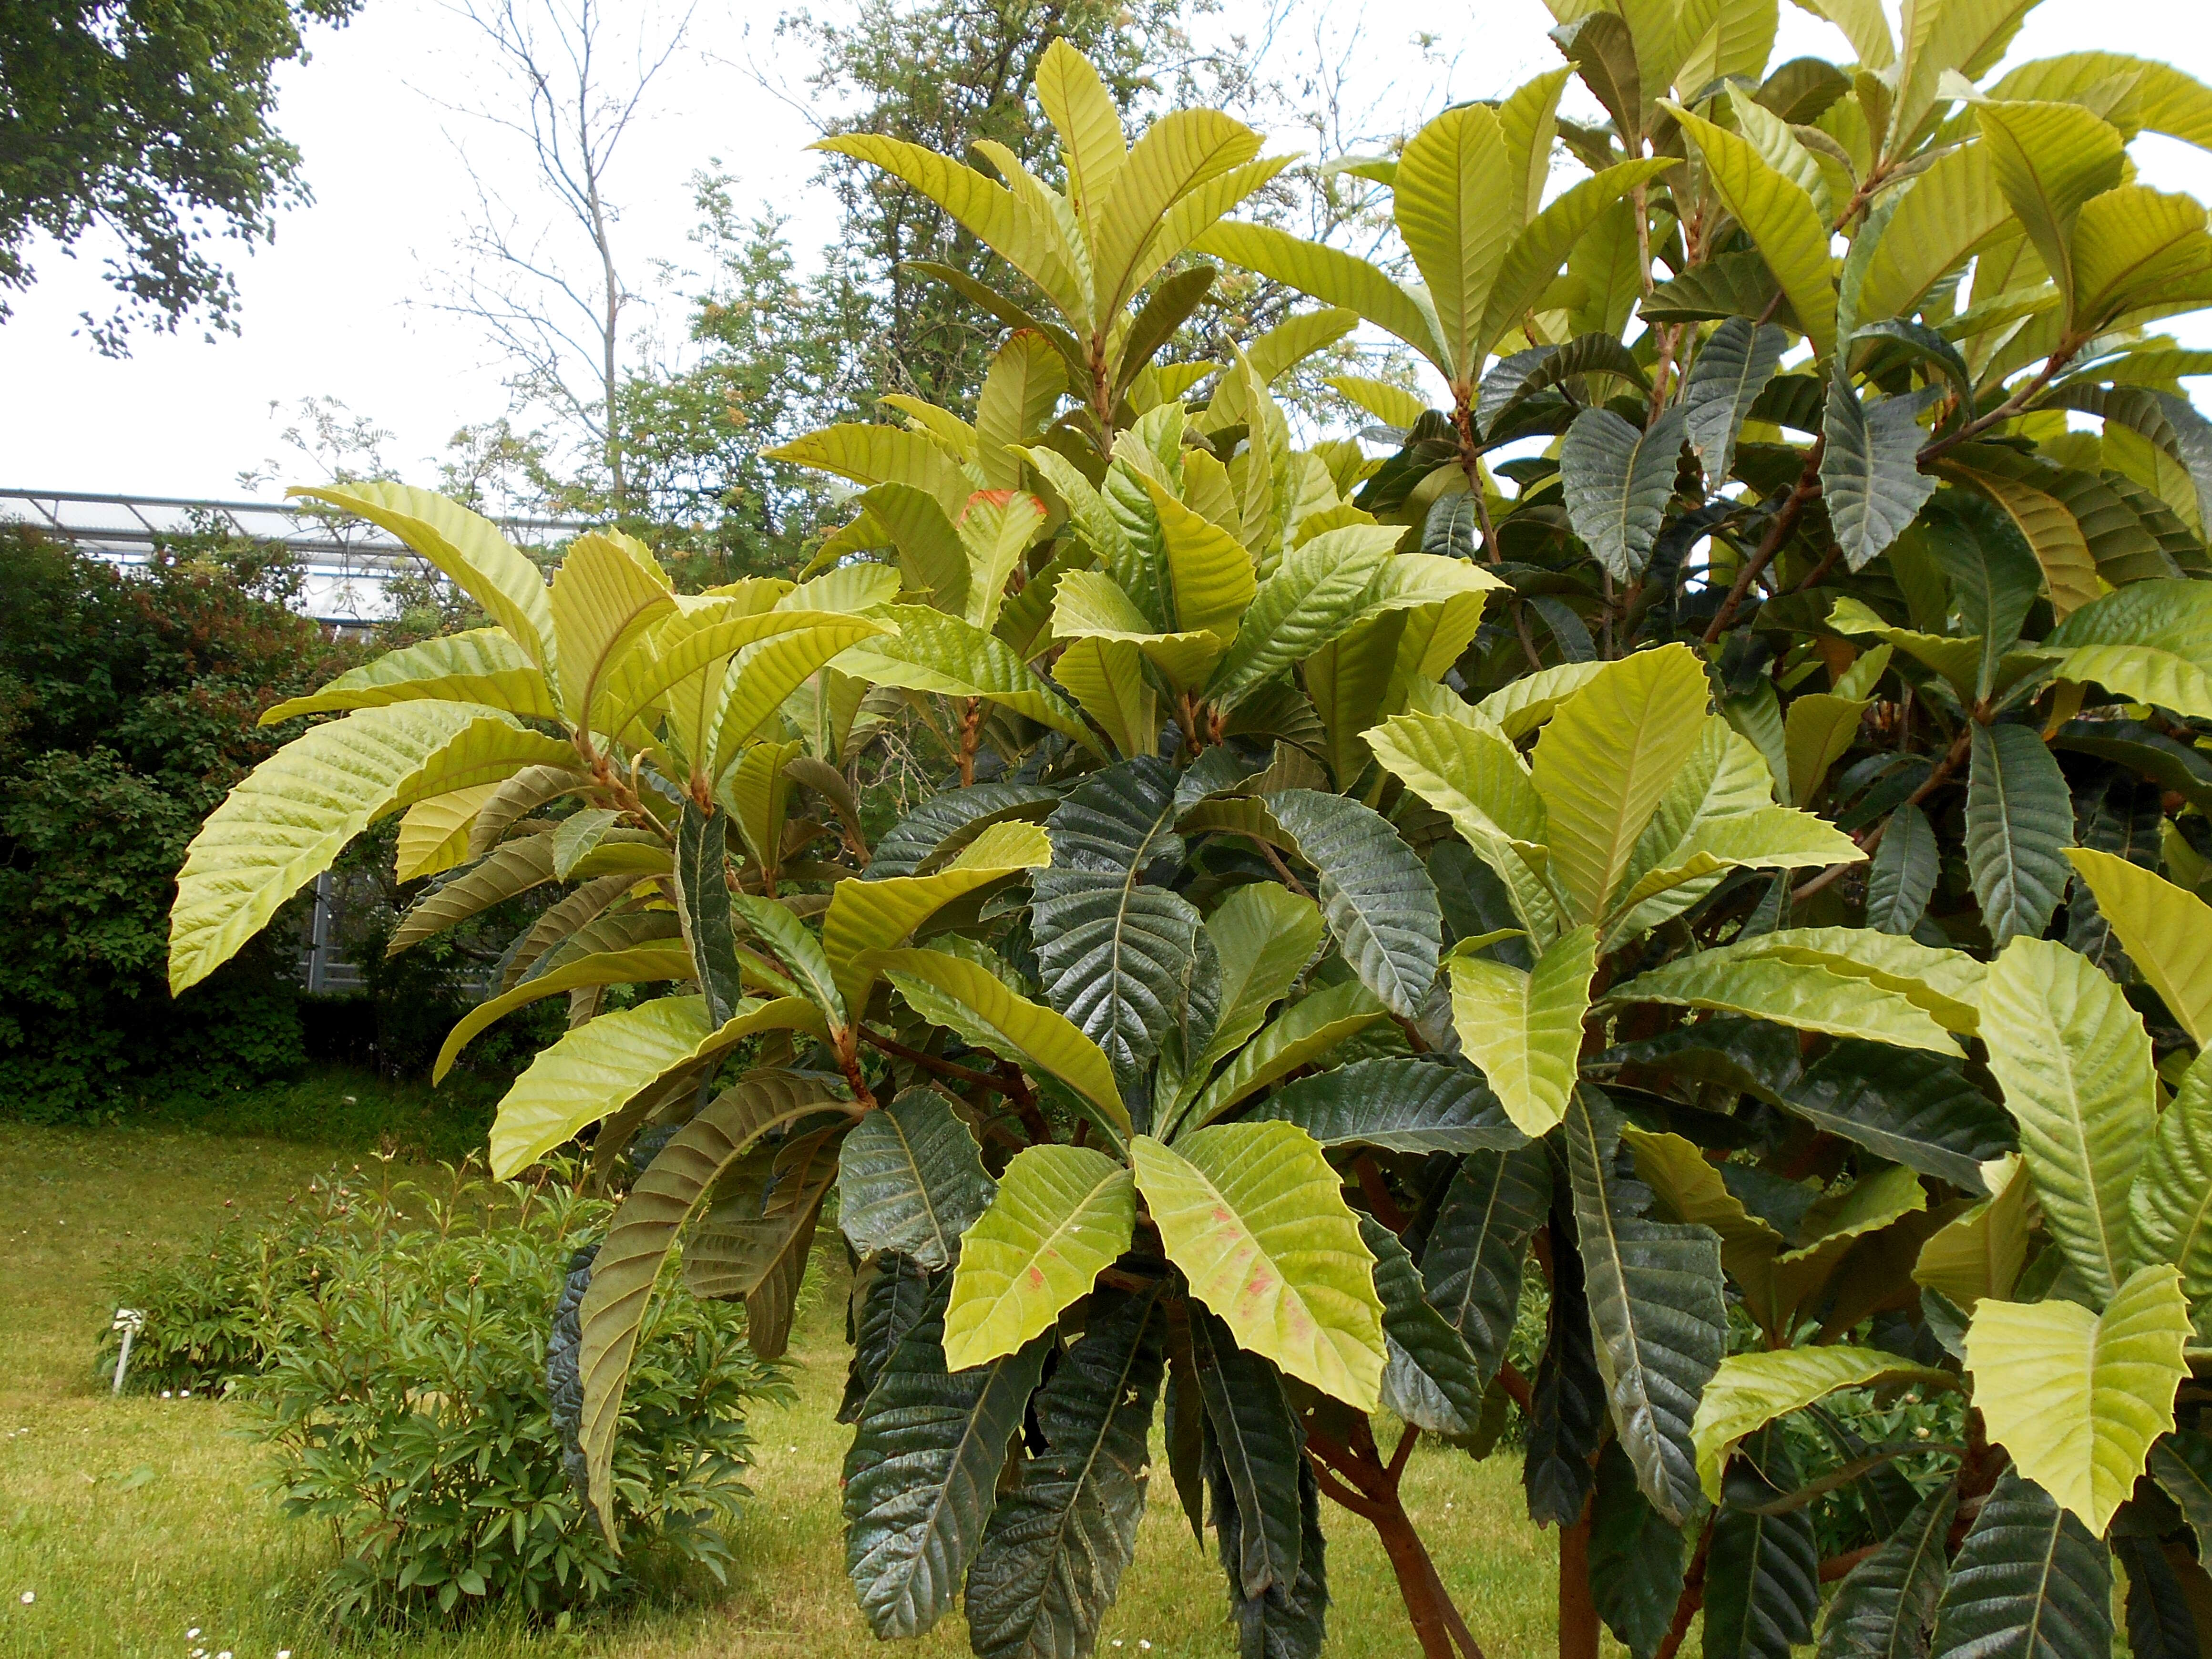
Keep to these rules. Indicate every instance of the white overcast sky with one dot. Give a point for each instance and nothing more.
(334, 307)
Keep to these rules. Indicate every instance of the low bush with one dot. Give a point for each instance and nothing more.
(391, 1341)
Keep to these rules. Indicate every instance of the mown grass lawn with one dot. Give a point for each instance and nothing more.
(133, 1521)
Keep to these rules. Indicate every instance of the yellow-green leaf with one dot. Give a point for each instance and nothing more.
(879, 915)
(1525, 1030)
(1782, 220)
(608, 591)
(1457, 205)
(1807, 995)
(1334, 277)
(2073, 1062)
(1750, 1390)
(1818, 731)
(2165, 930)
(482, 666)
(641, 965)
(2078, 1398)
(280, 827)
(1256, 1219)
(1061, 1215)
(433, 836)
(1302, 1034)
(1980, 1254)
(2050, 159)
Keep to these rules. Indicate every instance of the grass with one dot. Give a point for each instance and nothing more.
(135, 1520)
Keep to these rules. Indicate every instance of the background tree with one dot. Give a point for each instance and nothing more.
(149, 122)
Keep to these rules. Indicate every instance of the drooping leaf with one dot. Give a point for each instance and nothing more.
(1635, 1558)
(1470, 1263)
(1061, 1214)
(644, 1228)
(2077, 1397)
(1568, 1424)
(1283, 1621)
(1401, 1104)
(2075, 1063)
(1256, 1219)
(702, 895)
(2181, 1463)
(283, 826)
(1762, 1577)
(639, 965)
(921, 1477)
(942, 825)
(1257, 1444)
(514, 867)
(1655, 1310)
(1618, 481)
(1525, 1030)
(2019, 819)
(910, 1180)
(1810, 995)
(1302, 1034)
(876, 915)
(1886, 1605)
(1927, 1116)
(890, 1295)
(1375, 895)
(1431, 1379)
(1114, 952)
(1053, 1552)
(2170, 1200)
(2029, 1579)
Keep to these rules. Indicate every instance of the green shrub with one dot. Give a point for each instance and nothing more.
(391, 1341)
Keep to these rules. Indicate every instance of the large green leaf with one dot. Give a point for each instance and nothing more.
(1302, 1034)
(1617, 481)
(969, 999)
(877, 915)
(1061, 1214)
(1809, 995)
(639, 1238)
(1870, 478)
(1941, 218)
(2165, 930)
(2148, 642)
(2181, 1463)
(1401, 1104)
(2030, 1579)
(702, 905)
(1256, 1219)
(2170, 1200)
(280, 827)
(608, 591)
(1053, 1555)
(1734, 368)
(1635, 1558)
(940, 827)
(1655, 1310)
(1552, 235)
(1763, 1573)
(641, 965)
(1333, 276)
(1263, 936)
(467, 549)
(2077, 1398)
(889, 1296)
(1376, 895)
(1115, 952)
(1750, 1390)
(1981, 1253)
(1525, 1030)
(1886, 1607)
(1256, 1443)
(1818, 731)
(481, 665)
(1781, 219)
(1457, 204)
(1313, 596)
(1470, 1263)
(2050, 159)
(1606, 760)
(508, 870)
(1431, 1380)
(922, 1476)
(1945, 984)
(1898, 1105)
(909, 1179)
(2018, 828)
(2075, 1063)
(932, 651)
(1902, 877)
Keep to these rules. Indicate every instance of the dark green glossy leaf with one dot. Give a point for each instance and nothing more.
(2019, 819)
(1258, 1449)
(2142, 749)
(1568, 1423)
(1763, 1575)
(1115, 952)
(702, 901)
(2122, 817)
(890, 1295)
(1656, 1308)
(922, 1476)
(1470, 1263)
(1992, 571)
(937, 828)
(2029, 1580)
(1732, 369)
(2159, 1621)
(1430, 1380)
(1870, 477)
(1885, 1608)
(910, 1179)
(1056, 1547)
(1377, 899)
(1732, 285)
(1617, 481)
(1902, 875)
(1635, 1558)
(2181, 1463)
(1285, 1621)
(1400, 1103)
(1910, 1108)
